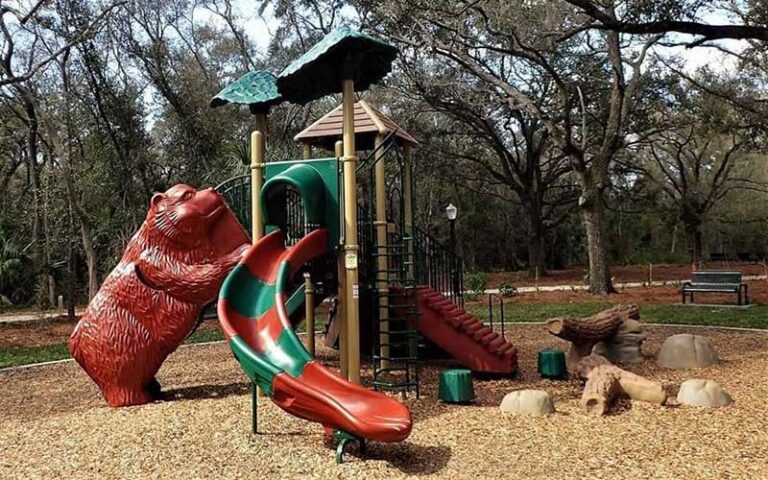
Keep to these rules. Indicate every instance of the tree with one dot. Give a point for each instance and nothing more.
(699, 157)
(511, 148)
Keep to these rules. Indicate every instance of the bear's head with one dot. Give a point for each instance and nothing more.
(186, 216)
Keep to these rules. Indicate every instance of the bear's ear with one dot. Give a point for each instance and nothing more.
(156, 199)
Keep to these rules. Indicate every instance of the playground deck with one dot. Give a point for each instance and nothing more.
(61, 429)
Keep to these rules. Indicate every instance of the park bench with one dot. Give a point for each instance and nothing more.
(716, 282)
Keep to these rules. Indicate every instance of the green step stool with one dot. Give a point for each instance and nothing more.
(456, 386)
(552, 363)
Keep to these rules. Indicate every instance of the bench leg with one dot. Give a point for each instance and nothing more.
(746, 293)
(738, 296)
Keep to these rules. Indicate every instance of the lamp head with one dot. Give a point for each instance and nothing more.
(451, 212)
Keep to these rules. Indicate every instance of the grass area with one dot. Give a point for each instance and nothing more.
(15, 356)
(753, 317)
(10, 357)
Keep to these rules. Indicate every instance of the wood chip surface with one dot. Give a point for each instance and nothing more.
(54, 424)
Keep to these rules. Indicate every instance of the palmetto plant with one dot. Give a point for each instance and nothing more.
(15, 266)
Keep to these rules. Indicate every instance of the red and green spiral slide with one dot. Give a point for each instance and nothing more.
(254, 314)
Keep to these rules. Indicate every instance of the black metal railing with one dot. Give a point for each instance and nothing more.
(438, 266)
(502, 321)
(237, 193)
(289, 215)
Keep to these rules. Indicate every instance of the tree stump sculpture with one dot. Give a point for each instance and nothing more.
(605, 382)
(584, 333)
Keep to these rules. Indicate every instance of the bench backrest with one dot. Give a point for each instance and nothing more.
(716, 277)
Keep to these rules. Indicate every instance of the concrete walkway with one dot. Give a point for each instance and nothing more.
(34, 317)
(574, 288)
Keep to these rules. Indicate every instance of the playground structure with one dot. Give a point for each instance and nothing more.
(312, 235)
(356, 248)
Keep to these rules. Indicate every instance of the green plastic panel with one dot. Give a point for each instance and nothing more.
(552, 363)
(321, 200)
(456, 386)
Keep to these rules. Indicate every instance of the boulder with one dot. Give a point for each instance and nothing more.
(528, 402)
(687, 351)
(703, 393)
(624, 347)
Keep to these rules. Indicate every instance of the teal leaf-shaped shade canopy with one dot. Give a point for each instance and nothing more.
(256, 89)
(343, 54)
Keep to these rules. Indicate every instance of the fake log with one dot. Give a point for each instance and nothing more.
(584, 333)
(606, 381)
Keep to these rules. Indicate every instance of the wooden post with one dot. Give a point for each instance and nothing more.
(306, 151)
(309, 313)
(351, 248)
(382, 262)
(342, 307)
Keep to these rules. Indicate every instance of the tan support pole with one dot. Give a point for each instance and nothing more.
(341, 309)
(257, 179)
(309, 313)
(382, 262)
(306, 151)
(408, 221)
(408, 203)
(350, 231)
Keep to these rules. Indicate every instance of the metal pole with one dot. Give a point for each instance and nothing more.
(382, 263)
(255, 408)
(454, 267)
(351, 247)
(309, 313)
(341, 315)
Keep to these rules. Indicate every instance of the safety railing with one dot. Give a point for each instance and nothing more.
(502, 321)
(438, 266)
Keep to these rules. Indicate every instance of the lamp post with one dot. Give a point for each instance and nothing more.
(452, 212)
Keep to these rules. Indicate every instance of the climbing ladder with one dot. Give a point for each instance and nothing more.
(392, 282)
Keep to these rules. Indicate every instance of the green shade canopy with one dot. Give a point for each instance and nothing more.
(256, 89)
(343, 54)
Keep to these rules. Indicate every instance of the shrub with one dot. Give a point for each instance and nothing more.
(506, 289)
(475, 284)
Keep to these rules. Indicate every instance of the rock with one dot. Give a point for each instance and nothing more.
(703, 393)
(624, 347)
(631, 325)
(528, 402)
(687, 351)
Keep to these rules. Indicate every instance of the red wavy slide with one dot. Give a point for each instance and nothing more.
(253, 313)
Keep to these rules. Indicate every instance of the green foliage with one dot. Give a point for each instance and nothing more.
(475, 283)
(16, 269)
(506, 289)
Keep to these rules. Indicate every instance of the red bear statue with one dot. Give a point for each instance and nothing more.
(171, 268)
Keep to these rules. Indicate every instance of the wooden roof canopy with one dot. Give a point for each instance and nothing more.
(369, 122)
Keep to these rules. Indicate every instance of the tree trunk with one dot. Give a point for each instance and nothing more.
(593, 213)
(90, 258)
(536, 250)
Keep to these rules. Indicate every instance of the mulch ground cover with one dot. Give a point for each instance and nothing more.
(55, 425)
